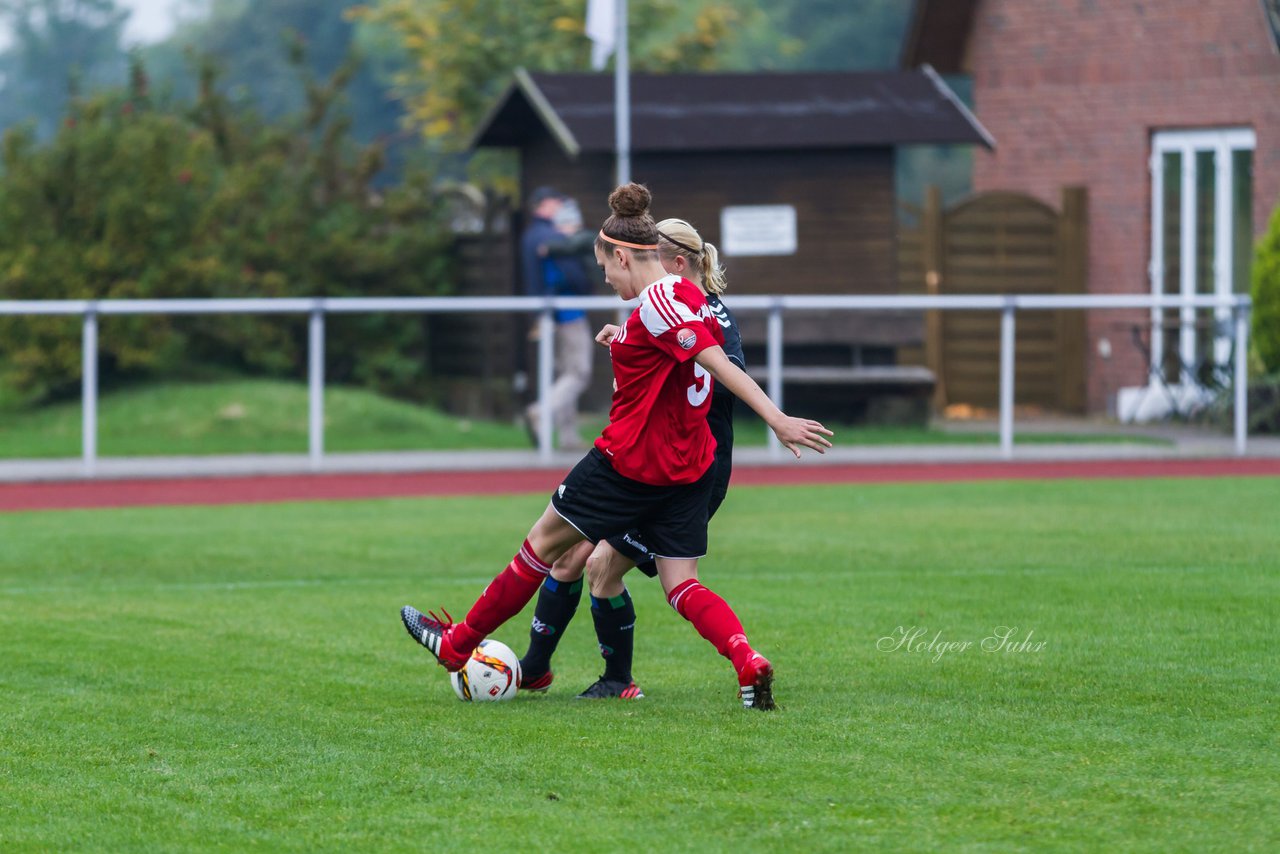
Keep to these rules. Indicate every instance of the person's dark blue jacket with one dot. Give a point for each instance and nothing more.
(543, 275)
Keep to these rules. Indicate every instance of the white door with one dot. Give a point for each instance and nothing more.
(1201, 240)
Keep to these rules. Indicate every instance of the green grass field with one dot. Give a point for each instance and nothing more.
(266, 416)
(237, 677)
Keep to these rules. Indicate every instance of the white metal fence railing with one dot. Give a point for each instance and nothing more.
(775, 306)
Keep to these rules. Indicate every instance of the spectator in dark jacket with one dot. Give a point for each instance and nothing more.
(549, 270)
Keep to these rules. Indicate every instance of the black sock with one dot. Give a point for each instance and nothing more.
(615, 620)
(557, 603)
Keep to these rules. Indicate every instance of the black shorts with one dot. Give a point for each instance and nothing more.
(633, 545)
(602, 504)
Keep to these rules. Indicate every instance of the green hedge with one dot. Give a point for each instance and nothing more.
(135, 198)
(1266, 297)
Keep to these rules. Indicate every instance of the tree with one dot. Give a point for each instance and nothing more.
(59, 47)
(462, 52)
(253, 43)
(820, 35)
(137, 197)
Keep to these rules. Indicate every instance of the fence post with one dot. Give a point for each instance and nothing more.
(1007, 339)
(773, 358)
(89, 390)
(931, 251)
(1241, 312)
(315, 387)
(546, 377)
(1073, 276)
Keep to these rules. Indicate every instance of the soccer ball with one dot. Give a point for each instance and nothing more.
(491, 673)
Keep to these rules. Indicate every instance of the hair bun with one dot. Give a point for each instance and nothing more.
(630, 200)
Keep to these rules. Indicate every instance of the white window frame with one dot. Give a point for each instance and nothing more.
(1223, 142)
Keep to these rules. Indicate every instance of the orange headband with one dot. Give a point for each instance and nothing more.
(617, 242)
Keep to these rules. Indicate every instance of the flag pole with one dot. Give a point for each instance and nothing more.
(622, 95)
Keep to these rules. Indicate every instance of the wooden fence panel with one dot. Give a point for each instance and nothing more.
(1001, 243)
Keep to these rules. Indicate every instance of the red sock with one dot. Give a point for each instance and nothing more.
(714, 620)
(501, 600)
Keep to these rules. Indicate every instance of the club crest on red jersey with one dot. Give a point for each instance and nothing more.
(686, 338)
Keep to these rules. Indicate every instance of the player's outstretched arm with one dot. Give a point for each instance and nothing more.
(791, 432)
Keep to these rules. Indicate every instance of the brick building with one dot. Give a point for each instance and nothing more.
(1168, 112)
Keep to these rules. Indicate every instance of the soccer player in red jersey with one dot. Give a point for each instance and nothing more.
(684, 253)
(651, 467)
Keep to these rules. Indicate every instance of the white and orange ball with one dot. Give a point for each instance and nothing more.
(492, 673)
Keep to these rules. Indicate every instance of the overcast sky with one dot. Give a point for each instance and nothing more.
(151, 20)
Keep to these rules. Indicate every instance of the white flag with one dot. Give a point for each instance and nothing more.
(602, 29)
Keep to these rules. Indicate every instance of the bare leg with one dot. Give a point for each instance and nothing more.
(605, 568)
(573, 563)
(673, 572)
(551, 536)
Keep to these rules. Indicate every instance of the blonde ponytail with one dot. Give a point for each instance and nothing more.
(712, 273)
(679, 238)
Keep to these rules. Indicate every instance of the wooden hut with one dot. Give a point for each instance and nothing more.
(791, 175)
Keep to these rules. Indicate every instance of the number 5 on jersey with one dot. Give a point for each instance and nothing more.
(701, 387)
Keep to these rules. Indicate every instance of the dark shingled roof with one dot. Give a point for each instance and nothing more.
(710, 112)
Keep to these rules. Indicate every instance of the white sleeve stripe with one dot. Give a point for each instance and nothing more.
(667, 297)
(653, 321)
(662, 307)
(660, 310)
(683, 313)
(660, 299)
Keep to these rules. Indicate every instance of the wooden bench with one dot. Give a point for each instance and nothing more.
(873, 394)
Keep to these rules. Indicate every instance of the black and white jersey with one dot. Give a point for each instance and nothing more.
(720, 417)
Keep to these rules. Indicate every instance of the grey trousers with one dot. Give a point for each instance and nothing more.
(573, 375)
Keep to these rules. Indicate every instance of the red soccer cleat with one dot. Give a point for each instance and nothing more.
(433, 633)
(611, 689)
(755, 684)
(540, 684)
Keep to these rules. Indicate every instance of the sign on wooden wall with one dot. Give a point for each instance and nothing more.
(758, 230)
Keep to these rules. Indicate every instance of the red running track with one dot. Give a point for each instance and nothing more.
(323, 487)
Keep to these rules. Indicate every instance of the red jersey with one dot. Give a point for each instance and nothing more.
(657, 431)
